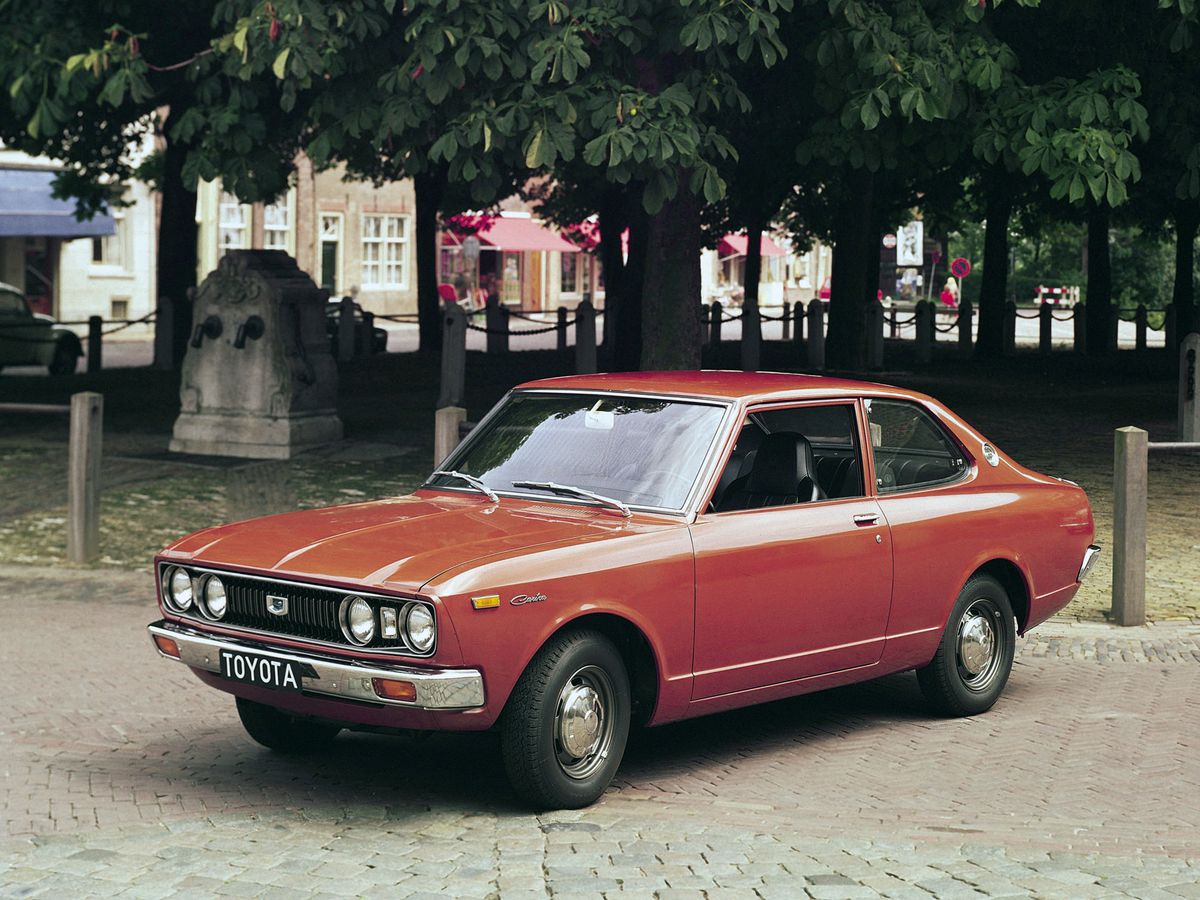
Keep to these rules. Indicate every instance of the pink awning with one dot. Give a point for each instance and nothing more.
(518, 235)
(736, 244)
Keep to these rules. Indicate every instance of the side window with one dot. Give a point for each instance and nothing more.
(910, 449)
(798, 454)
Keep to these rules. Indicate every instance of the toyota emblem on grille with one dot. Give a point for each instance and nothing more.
(277, 606)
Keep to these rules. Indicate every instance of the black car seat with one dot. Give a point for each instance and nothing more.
(783, 473)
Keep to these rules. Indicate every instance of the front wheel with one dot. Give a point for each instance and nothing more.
(564, 729)
(973, 661)
(278, 731)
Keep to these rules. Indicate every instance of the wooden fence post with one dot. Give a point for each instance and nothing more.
(94, 344)
(454, 355)
(83, 477)
(1140, 325)
(1189, 404)
(786, 321)
(346, 330)
(875, 335)
(925, 332)
(496, 319)
(1045, 329)
(816, 335)
(446, 434)
(1079, 313)
(751, 338)
(1009, 333)
(561, 333)
(714, 333)
(1129, 526)
(585, 338)
(798, 324)
(966, 315)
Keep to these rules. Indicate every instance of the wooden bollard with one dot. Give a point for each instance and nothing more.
(1079, 318)
(496, 320)
(585, 338)
(346, 330)
(1009, 332)
(751, 338)
(786, 321)
(94, 344)
(1140, 325)
(1046, 329)
(966, 316)
(875, 335)
(446, 430)
(561, 330)
(798, 324)
(816, 335)
(83, 477)
(715, 315)
(366, 343)
(1188, 412)
(1129, 526)
(454, 355)
(925, 333)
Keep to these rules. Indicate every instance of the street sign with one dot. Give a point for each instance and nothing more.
(961, 267)
(889, 241)
(471, 247)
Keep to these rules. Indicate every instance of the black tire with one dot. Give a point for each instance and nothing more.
(964, 678)
(64, 360)
(580, 671)
(278, 731)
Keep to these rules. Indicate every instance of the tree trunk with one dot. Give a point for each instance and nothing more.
(428, 188)
(630, 337)
(994, 288)
(671, 295)
(753, 273)
(177, 236)
(1099, 284)
(1183, 294)
(613, 222)
(846, 341)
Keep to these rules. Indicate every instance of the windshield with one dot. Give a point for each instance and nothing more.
(641, 451)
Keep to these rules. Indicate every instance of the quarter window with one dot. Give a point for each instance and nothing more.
(910, 449)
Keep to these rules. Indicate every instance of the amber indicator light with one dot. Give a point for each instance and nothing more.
(489, 602)
(394, 690)
(167, 646)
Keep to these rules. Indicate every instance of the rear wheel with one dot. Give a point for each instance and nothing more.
(64, 360)
(973, 661)
(278, 731)
(565, 726)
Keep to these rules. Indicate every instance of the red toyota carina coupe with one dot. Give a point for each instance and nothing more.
(609, 550)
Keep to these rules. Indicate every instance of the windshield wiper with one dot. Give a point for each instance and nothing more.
(471, 480)
(573, 491)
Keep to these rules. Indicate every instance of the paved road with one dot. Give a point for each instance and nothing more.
(402, 338)
(123, 775)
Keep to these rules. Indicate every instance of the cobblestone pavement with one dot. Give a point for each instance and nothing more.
(122, 774)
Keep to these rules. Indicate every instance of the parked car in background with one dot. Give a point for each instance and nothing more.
(333, 314)
(33, 339)
(605, 551)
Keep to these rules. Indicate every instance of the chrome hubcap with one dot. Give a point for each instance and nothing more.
(583, 726)
(978, 656)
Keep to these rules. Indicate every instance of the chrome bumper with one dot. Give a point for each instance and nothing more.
(1090, 555)
(436, 688)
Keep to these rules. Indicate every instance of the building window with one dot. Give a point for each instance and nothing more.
(113, 249)
(277, 226)
(385, 251)
(331, 251)
(118, 308)
(234, 233)
(570, 271)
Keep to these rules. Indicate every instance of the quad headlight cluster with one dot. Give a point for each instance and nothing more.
(361, 622)
(184, 592)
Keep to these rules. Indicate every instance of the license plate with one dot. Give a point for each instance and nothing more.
(264, 671)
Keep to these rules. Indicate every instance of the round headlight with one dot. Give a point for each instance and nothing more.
(179, 589)
(419, 627)
(358, 620)
(213, 597)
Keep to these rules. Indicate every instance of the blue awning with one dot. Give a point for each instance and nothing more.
(28, 208)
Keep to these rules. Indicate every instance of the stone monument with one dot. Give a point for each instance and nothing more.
(258, 377)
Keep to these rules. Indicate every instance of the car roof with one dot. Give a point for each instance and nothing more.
(751, 387)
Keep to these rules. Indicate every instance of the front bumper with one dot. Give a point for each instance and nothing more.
(436, 689)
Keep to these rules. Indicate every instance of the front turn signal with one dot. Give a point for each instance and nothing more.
(388, 689)
(166, 646)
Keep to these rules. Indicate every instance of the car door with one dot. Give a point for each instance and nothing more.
(20, 332)
(792, 587)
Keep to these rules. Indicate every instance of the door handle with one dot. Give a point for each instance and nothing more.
(866, 519)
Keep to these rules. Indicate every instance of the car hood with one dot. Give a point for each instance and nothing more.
(401, 543)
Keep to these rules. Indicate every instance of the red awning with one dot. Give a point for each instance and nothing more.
(735, 245)
(518, 234)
